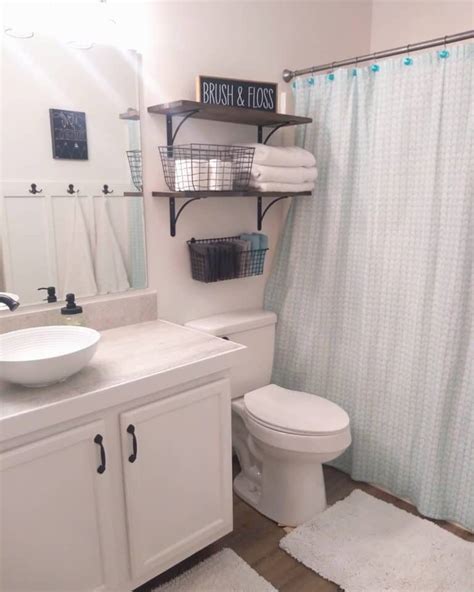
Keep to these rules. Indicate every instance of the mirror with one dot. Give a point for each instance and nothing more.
(71, 202)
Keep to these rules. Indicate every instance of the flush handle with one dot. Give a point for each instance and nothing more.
(99, 441)
(131, 430)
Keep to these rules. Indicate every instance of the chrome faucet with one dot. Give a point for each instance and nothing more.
(11, 300)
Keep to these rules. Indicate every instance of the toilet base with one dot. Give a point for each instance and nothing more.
(247, 490)
(298, 500)
(283, 484)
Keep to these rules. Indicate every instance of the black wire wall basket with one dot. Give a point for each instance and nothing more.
(207, 167)
(218, 259)
(136, 169)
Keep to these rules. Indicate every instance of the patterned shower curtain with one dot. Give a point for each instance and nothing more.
(373, 278)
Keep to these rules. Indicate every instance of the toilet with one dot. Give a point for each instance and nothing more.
(281, 437)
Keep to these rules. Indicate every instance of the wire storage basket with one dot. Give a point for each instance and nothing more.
(135, 163)
(207, 167)
(218, 259)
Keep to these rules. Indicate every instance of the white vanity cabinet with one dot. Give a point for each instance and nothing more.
(56, 524)
(122, 471)
(115, 502)
(177, 475)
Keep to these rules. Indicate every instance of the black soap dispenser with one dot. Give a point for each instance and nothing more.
(72, 313)
(51, 293)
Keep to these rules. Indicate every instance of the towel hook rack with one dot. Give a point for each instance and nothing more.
(106, 190)
(34, 189)
(70, 189)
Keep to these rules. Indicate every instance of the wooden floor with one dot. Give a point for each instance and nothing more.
(256, 539)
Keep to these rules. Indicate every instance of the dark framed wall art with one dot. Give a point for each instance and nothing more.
(68, 134)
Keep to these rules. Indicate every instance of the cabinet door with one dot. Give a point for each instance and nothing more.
(179, 485)
(55, 530)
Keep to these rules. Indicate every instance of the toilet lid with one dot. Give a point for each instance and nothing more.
(295, 412)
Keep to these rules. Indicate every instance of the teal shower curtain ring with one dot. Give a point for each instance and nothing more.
(444, 53)
(354, 70)
(408, 61)
(331, 73)
(375, 67)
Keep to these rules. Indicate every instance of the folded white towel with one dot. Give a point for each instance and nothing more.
(284, 187)
(284, 156)
(272, 174)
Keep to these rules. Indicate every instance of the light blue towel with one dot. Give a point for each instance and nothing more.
(263, 244)
(262, 239)
(253, 238)
(258, 241)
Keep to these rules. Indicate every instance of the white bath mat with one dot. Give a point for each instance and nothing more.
(223, 572)
(366, 545)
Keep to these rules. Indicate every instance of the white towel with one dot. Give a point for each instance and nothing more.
(272, 174)
(284, 156)
(110, 270)
(79, 273)
(283, 187)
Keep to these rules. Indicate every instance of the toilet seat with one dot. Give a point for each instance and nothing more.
(314, 426)
(294, 412)
(290, 443)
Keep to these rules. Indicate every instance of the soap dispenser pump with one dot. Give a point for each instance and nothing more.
(72, 312)
(51, 293)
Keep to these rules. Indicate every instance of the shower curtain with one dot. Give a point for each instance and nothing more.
(373, 279)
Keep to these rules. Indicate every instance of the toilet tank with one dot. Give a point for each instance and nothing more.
(253, 328)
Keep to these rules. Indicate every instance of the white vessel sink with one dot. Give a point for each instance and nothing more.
(44, 355)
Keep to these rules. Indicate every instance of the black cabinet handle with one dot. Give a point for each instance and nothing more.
(131, 430)
(98, 440)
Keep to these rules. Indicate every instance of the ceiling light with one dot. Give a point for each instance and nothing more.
(80, 44)
(18, 33)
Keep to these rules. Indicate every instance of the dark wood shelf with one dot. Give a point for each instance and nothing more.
(192, 196)
(196, 110)
(248, 193)
(227, 114)
(130, 115)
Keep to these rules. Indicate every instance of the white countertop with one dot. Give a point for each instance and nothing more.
(155, 355)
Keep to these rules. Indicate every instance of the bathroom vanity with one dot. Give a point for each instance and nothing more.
(119, 473)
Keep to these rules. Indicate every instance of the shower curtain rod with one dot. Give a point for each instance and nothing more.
(288, 75)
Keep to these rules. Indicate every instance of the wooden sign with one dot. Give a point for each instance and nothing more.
(228, 92)
(68, 134)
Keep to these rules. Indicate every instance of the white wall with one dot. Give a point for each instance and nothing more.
(250, 40)
(403, 22)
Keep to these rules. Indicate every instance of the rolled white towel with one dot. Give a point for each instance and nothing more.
(284, 187)
(272, 174)
(191, 174)
(282, 156)
(221, 175)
